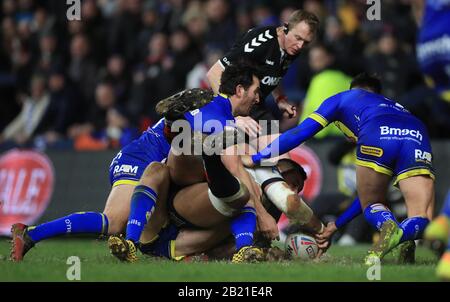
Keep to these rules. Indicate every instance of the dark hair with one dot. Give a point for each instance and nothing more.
(295, 166)
(326, 47)
(367, 81)
(240, 73)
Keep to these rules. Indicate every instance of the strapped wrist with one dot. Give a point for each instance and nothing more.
(280, 98)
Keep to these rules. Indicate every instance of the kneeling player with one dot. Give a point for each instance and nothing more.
(391, 142)
(125, 171)
(176, 242)
(229, 186)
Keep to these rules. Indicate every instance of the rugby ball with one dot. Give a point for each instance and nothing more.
(301, 246)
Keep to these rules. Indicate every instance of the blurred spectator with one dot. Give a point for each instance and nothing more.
(107, 124)
(348, 48)
(23, 67)
(62, 111)
(124, 30)
(197, 76)
(262, 15)
(82, 69)
(152, 81)
(117, 74)
(173, 14)
(222, 30)
(48, 54)
(396, 69)
(326, 82)
(150, 25)
(184, 55)
(196, 22)
(21, 130)
(94, 28)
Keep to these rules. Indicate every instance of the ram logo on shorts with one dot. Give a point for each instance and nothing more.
(422, 156)
(128, 169)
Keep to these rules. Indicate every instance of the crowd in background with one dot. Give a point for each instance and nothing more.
(93, 84)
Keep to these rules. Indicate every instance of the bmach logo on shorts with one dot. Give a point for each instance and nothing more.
(386, 130)
(420, 155)
(126, 169)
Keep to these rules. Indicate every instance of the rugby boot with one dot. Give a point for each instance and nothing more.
(390, 235)
(21, 242)
(122, 249)
(443, 267)
(405, 252)
(436, 234)
(248, 254)
(173, 107)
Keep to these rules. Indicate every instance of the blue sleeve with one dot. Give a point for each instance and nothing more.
(352, 211)
(289, 140)
(315, 122)
(327, 111)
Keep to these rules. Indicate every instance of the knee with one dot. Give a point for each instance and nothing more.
(116, 222)
(242, 198)
(155, 174)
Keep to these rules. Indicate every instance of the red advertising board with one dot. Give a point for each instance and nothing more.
(26, 186)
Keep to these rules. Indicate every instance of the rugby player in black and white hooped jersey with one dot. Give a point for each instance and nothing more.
(271, 49)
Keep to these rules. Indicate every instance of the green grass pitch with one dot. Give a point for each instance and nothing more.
(47, 262)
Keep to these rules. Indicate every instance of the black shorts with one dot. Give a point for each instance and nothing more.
(175, 218)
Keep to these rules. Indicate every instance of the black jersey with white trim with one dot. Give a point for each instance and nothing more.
(260, 46)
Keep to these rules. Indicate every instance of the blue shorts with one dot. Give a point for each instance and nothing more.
(396, 145)
(129, 164)
(163, 245)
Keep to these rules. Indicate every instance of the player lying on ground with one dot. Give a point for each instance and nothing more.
(124, 173)
(180, 242)
(209, 210)
(230, 189)
(390, 143)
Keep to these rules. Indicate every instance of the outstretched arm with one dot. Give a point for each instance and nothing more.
(290, 139)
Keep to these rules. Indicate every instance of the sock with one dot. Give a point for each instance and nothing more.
(163, 244)
(220, 181)
(376, 214)
(76, 223)
(352, 211)
(413, 228)
(243, 227)
(446, 208)
(143, 203)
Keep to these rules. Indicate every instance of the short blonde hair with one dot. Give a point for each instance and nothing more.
(305, 16)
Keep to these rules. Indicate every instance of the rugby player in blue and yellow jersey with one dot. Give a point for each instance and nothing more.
(125, 172)
(390, 143)
(228, 194)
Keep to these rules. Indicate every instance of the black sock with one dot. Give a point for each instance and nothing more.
(220, 181)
